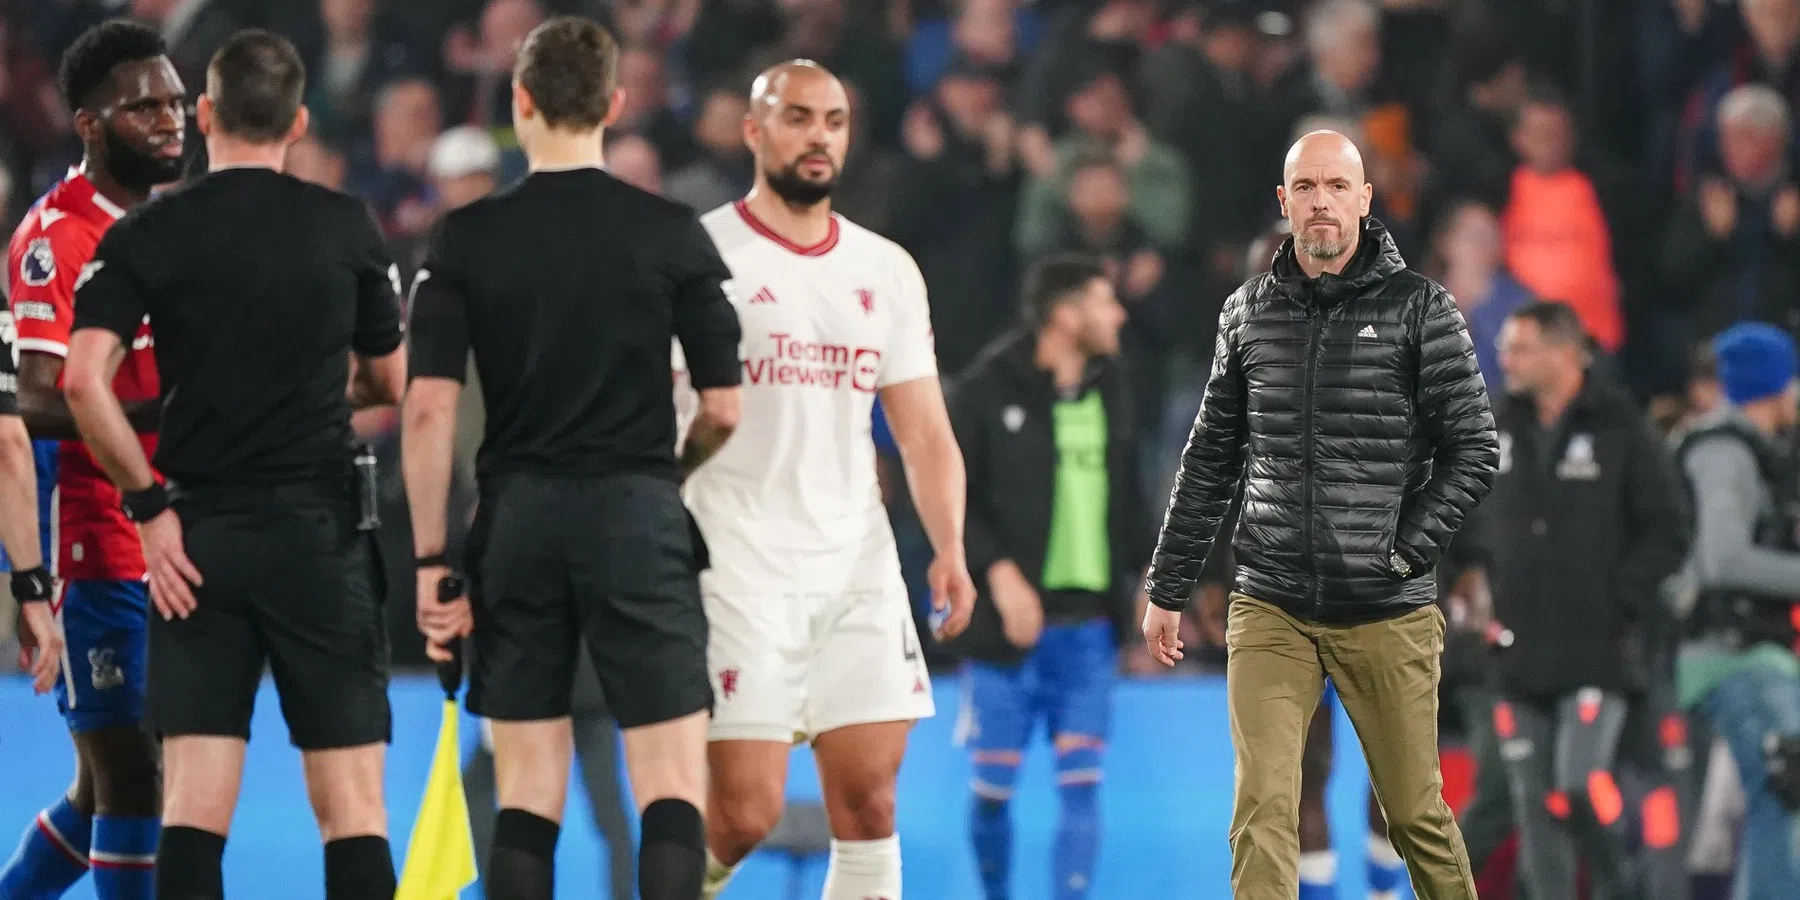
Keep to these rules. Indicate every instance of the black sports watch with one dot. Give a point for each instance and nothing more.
(32, 585)
(142, 506)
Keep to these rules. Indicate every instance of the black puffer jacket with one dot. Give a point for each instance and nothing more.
(1358, 405)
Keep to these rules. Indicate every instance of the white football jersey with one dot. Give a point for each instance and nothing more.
(824, 328)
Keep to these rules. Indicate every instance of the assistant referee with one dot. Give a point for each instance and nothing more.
(569, 287)
(264, 294)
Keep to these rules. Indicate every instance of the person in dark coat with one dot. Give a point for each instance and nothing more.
(1345, 403)
(1584, 523)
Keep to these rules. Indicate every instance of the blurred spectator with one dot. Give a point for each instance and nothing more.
(1098, 200)
(464, 166)
(1558, 242)
(1466, 260)
(478, 89)
(1099, 227)
(725, 35)
(735, 37)
(860, 54)
(356, 51)
(958, 209)
(1733, 251)
(1470, 139)
(1108, 37)
(390, 170)
(312, 160)
(722, 169)
(1739, 590)
(649, 23)
(865, 192)
(1343, 43)
(193, 30)
(1769, 55)
(33, 119)
(1104, 125)
(634, 160)
(646, 109)
(990, 34)
(1203, 104)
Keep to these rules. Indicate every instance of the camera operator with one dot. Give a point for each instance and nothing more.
(1738, 666)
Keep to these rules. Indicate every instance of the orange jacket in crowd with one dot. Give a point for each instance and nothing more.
(1559, 247)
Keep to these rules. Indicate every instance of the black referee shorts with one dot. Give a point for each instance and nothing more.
(291, 583)
(615, 560)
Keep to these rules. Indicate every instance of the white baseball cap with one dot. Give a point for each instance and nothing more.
(463, 150)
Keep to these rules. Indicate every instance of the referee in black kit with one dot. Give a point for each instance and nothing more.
(265, 294)
(568, 288)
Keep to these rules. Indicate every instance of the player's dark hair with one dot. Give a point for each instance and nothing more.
(256, 81)
(1556, 320)
(89, 63)
(1055, 280)
(570, 67)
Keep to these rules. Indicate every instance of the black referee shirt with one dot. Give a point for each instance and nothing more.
(568, 287)
(258, 286)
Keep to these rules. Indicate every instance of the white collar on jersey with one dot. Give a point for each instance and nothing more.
(106, 206)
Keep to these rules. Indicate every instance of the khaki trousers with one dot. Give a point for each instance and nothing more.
(1387, 678)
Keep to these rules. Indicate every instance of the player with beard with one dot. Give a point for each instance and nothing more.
(130, 112)
(812, 635)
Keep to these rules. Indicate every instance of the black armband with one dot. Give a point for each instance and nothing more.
(431, 561)
(32, 585)
(142, 506)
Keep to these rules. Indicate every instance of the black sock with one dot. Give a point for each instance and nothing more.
(359, 868)
(522, 865)
(190, 864)
(672, 854)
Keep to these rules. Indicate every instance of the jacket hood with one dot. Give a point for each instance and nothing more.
(1377, 259)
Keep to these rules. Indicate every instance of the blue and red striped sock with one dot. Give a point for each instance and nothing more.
(52, 855)
(124, 857)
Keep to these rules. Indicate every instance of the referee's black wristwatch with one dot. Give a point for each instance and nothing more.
(142, 506)
(32, 585)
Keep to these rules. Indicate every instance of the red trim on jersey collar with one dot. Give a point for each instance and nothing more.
(760, 227)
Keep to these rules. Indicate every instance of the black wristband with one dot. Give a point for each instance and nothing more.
(32, 585)
(142, 506)
(431, 562)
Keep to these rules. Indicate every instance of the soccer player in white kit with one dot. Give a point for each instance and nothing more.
(812, 633)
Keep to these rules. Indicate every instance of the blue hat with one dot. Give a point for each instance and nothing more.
(1754, 361)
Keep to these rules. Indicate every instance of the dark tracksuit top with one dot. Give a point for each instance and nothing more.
(1002, 407)
(1584, 523)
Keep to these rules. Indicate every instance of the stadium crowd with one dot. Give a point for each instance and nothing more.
(1513, 154)
(1635, 161)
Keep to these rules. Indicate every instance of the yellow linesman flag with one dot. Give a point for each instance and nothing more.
(440, 857)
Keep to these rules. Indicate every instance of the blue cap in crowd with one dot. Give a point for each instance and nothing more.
(1754, 361)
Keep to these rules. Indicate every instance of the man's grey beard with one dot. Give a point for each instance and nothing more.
(1325, 250)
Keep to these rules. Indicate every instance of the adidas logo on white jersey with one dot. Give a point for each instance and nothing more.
(1368, 331)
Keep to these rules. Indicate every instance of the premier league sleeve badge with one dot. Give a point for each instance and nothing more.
(38, 266)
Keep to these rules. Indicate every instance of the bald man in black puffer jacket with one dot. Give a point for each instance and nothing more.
(1345, 398)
